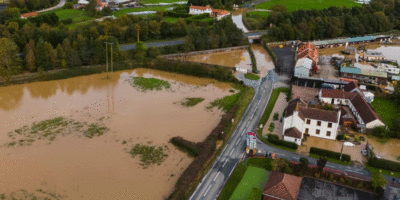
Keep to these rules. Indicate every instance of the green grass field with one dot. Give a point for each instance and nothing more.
(253, 178)
(128, 10)
(293, 5)
(387, 109)
(333, 160)
(258, 14)
(68, 13)
(171, 19)
(159, 1)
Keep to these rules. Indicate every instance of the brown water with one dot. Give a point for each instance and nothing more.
(234, 58)
(238, 19)
(263, 59)
(389, 150)
(99, 168)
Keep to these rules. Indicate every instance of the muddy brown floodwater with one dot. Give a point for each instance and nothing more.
(263, 59)
(99, 168)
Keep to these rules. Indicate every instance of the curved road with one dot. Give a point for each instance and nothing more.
(59, 5)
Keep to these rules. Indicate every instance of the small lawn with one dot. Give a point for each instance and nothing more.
(128, 10)
(387, 109)
(333, 160)
(252, 76)
(258, 14)
(293, 5)
(66, 13)
(384, 171)
(171, 19)
(253, 178)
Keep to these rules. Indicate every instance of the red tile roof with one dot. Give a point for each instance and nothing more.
(293, 132)
(339, 94)
(220, 12)
(308, 50)
(283, 186)
(31, 14)
(311, 113)
(200, 7)
(350, 86)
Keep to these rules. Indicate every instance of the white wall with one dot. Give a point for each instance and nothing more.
(292, 139)
(293, 121)
(199, 12)
(374, 123)
(312, 127)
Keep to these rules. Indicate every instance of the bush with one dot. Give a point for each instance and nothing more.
(68, 5)
(330, 154)
(328, 107)
(253, 60)
(255, 194)
(264, 163)
(341, 180)
(233, 181)
(316, 175)
(277, 141)
(66, 21)
(330, 178)
(384, 164)
(356, 139)
(340, 137)
(186, 146)
(276, 116)
(178, 15)
(271, 127)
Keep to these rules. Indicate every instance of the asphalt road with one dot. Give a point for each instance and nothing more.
(214, 181)
(59, 5)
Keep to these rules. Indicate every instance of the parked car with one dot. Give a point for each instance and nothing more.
(377, 156)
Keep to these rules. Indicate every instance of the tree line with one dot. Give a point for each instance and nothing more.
(32, 5)
(332, 22)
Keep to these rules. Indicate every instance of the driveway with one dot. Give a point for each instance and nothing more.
(59, 5)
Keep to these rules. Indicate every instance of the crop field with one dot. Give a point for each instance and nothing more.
(293, 5)
(253, 178)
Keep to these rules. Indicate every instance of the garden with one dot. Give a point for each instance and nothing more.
(254, 177)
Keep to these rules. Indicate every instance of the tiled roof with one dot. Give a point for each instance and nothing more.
(293, 132)
(308, 50)
(292, 106)
(200, 7)
(339, 94)
(31, 14)
(364, 109)
(282, 185)
(352, 70)
(310, 113)
(220, 12)
(350, 86)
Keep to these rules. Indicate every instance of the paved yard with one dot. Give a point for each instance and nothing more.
(279, 107)
(305, 93)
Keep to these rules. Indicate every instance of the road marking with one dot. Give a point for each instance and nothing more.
(216, 176)
(225, 147)
(279, 154)
(232, 170)
(238, 141)
(207, 190)
(225, 162)
(329, 166)
(252, 116)
(247, 124)
(231, 151)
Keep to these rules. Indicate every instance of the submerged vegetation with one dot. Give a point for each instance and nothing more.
(189, 102)
(149, 155)
(146, 84)
(50, 129)
(36, 195)
(225, 103)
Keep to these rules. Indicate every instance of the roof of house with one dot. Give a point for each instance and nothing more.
(361, 39)
(350, 86)
(304, 62)
(308, 49)
(310, 113)
(282, 185)
(334, 41)
(352, 70)
(200, 7)
(293, 132)
(220, 12)
(31, 14)
(395, 78)
(368, 72)
(364, 109)
(339, 94)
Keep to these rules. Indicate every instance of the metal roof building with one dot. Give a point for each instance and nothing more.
(352, 70)
(334, 41)
(362, 39)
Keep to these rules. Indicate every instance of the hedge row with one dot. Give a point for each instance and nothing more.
(233, 181)
(279, 142)
(190, 148)
(255, 194)
(271, 53)
(330, 154)
(264, 163)
(384, 164)
(253, 60)
(178, 15)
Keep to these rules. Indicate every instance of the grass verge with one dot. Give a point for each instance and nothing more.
(145, 84)
(384, 171)
(253, 178)
(333, 160)
(252, 76)
(293, 5)
(233, 181)
(128, 10)
(189, 102)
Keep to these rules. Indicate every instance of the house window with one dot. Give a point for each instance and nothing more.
(328, 133)
(308, 121)
(318, 123)
(317, 131)
(295, 140)
(306, 132)
(329, 125)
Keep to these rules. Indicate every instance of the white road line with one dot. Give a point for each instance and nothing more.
(232, 170)
(207, 190)
(225, 162)
(329, 166)
(238, 141)
(216, 176)
(252, 116)
(225, 148)
(279, 154)
(231, 152)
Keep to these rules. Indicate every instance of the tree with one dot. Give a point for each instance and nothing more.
(303, 164)
(282, 165)
(42, 58)
(91, 8)
(396, 93)
(140, 50)
(321, 162)
(378, 180)
(30, 56)
(154, 28)
(106, 11)
(9, 60)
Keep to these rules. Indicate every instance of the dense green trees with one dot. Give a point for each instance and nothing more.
(9, 61)
(32, 5)
(332, 22)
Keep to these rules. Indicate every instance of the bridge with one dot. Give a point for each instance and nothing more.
(255, 34)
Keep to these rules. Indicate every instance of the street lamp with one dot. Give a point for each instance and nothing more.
(341, 152)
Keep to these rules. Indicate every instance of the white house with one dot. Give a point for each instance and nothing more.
(301, 119)
(357, 103)
(216, 13)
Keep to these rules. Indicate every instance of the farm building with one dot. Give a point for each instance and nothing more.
(303, 67)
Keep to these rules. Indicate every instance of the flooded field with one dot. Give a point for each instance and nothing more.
(235, 58)
(238, 58)
(389, 150)
(75, 164)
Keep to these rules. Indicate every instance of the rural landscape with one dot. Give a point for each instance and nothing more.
(200, 99)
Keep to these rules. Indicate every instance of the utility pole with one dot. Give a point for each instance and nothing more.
(106, 56)
(137, 28)
(111, 55)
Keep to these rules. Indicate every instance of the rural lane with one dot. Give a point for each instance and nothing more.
(59, 5)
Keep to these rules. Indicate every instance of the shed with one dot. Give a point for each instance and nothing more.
(369, 96)
(362, 39)
(351, 70)
(303, 67)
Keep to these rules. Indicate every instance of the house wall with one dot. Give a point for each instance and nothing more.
(312, 127)
(374, 123)
(293, 121)
(199, 12)
(301, 71)
(292, 139)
